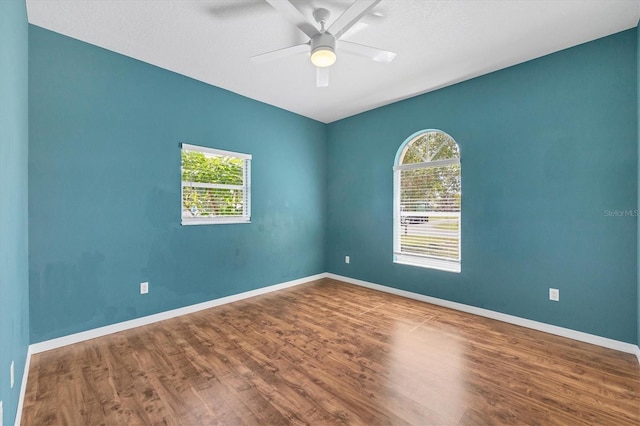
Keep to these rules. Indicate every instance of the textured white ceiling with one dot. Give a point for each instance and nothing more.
(438, 42)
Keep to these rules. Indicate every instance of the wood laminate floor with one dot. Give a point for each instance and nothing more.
(332, 353)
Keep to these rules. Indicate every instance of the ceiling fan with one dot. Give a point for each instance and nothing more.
(324, 42)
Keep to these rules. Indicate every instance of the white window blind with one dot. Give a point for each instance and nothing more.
(427, 203)
(216, 186)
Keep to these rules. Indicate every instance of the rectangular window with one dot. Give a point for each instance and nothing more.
(428, 229)
(216, 186)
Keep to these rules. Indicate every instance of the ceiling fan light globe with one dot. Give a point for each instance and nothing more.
(323, 57)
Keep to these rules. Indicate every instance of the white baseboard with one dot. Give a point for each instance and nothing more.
(23, 388)
(126, 325)
(523, 322)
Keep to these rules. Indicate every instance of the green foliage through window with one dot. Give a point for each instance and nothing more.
(198, 167)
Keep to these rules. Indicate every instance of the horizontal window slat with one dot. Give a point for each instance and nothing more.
(429, 164)
(211, 185)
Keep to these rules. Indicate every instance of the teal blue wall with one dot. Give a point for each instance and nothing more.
(104, 190)
(14, 144)
(546, 146)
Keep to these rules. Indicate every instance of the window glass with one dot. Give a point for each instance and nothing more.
(215, 186)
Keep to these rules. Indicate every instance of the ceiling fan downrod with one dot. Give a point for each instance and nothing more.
(323, 45)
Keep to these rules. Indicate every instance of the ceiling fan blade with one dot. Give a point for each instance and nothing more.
(366, 51)
(322, 76)
(293, 15)
(357, 10)
(281, 53)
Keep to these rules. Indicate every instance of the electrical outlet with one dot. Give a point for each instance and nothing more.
(144, 288)
(12, 374)
(554, 294)
(346, 259)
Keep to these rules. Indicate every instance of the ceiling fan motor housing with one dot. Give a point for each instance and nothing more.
(323, 48)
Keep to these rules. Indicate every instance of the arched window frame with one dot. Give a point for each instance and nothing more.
(418, 252)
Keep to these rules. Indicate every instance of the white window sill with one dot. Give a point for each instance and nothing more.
(441, 265)
(188, 222)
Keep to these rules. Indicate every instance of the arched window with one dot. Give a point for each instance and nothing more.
(427, 193)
